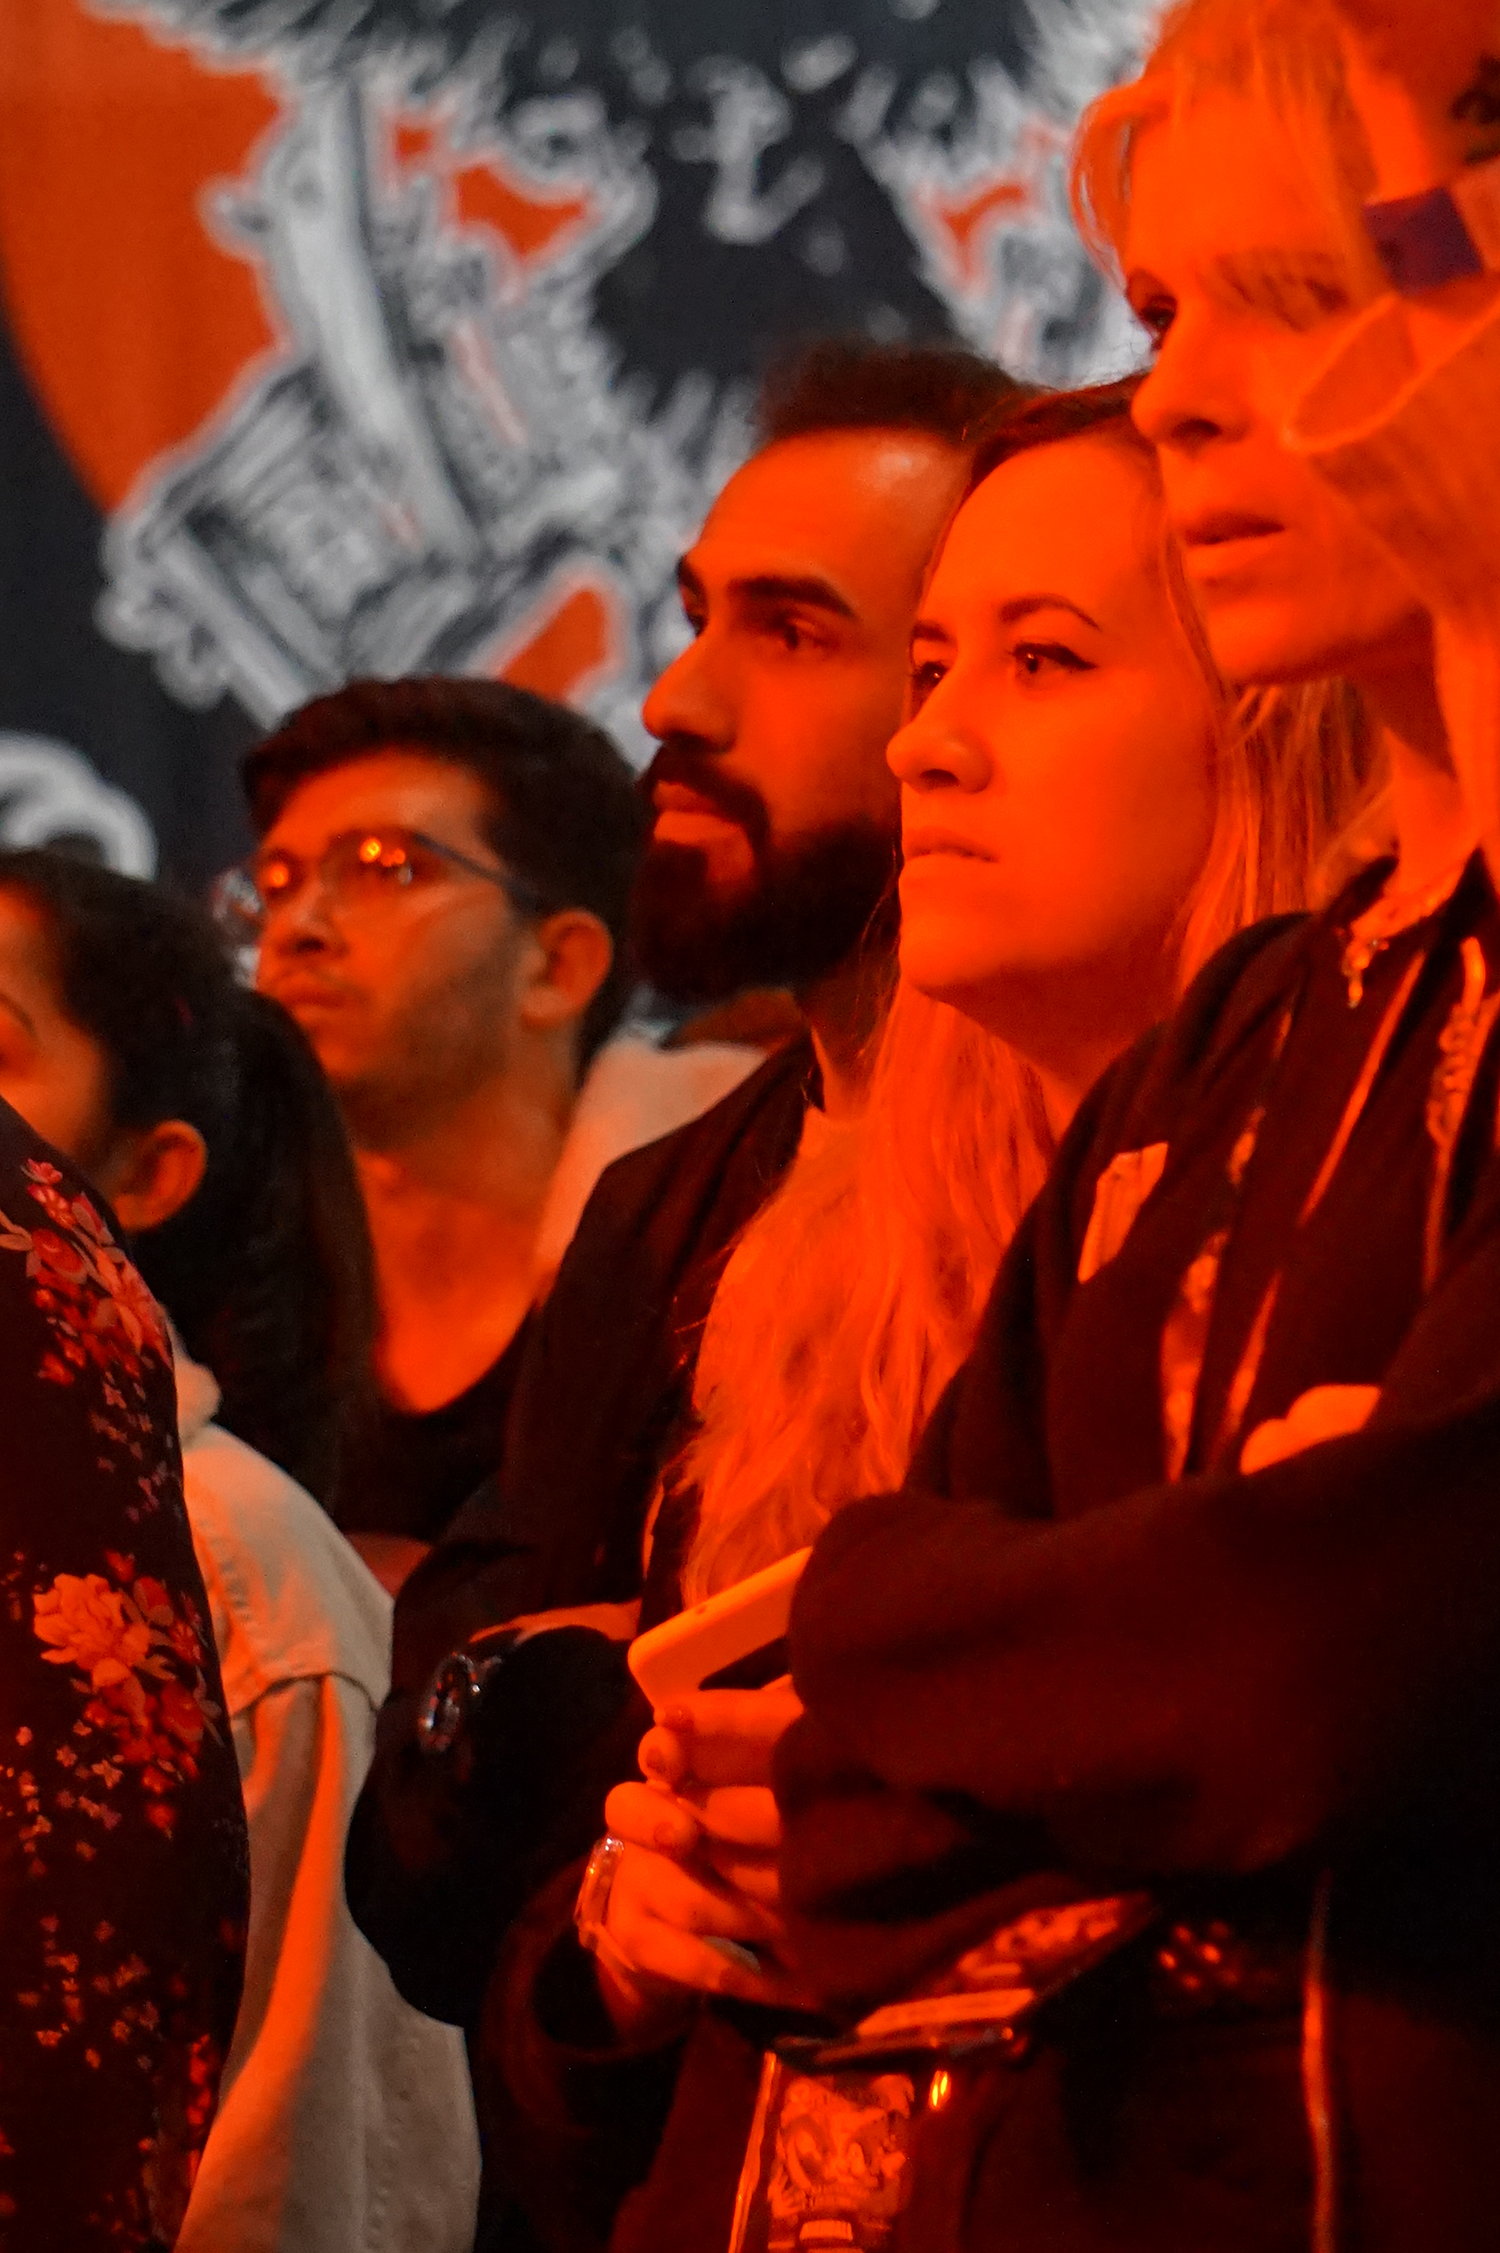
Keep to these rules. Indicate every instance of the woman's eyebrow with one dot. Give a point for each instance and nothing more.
(928, 629)
(1026, 606)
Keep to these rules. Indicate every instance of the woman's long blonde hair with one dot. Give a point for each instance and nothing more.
(855, 1292)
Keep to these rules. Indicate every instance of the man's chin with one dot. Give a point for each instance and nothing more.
(721, 849)
(806, 910)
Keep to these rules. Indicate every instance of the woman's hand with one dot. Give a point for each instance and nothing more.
(692, 1910)
(713, 1752)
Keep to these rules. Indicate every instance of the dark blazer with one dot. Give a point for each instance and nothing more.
(442, 1853)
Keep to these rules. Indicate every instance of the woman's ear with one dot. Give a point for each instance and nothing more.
(152, 1174)
(567, 962)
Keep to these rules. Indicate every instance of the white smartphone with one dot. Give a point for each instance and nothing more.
(733, 1641)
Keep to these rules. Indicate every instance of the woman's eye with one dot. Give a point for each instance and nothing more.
(1035, 658)
(1156, 316)
(921, 682)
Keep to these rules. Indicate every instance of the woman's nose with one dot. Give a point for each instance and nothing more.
(934, 752)
(1190, 396)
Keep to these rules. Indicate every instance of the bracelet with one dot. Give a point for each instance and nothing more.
(1445, 234)
(456, 1686)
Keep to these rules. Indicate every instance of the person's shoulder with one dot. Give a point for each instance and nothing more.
(1240, 988)
(777, 1089)
(767, 1107)
(1137, 1105)
(294, 1599)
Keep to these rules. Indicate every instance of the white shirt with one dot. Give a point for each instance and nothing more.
(345, 2120)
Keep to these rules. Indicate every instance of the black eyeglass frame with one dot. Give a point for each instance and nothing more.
(233, 907)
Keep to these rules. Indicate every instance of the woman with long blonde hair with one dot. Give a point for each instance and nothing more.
(855, 1293)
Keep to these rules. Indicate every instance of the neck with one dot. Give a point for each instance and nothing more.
(843, 1013)
(454, 1208)
(1066, 1082)
(1070, 1024)
(1435, 828)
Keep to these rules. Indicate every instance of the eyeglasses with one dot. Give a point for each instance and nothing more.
(360, 873)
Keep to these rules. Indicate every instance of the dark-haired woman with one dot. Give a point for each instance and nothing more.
(199, 1111)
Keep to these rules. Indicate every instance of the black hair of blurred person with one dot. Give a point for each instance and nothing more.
(266, 1270)
(816, 899)
(565, 815)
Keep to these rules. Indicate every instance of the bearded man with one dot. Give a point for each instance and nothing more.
(771, 861)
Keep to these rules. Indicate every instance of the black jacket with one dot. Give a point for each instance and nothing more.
(1045, 1656)
(442, 1853)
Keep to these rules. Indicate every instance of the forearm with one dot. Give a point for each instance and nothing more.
(571, 2114)
(1204, 1678)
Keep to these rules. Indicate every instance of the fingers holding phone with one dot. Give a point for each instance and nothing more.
(677, 1926)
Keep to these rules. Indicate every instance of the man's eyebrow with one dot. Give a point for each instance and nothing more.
(688, 581)
(773, 586)
(1026, 606)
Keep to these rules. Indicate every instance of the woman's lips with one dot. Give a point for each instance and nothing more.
(929, 844)
(1219, 541)
(1219, 528)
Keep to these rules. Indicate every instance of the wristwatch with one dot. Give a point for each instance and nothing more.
(456, 1686)
(1445, 234)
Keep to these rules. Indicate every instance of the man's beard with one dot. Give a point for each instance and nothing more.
(808, 907)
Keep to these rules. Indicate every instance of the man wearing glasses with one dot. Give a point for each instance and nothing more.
(438, 898)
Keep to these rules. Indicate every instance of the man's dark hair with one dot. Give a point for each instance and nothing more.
(565, 814)
(849, 383)
(266, 1270)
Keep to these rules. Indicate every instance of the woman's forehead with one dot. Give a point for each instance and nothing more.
(1221, 176)
(1080, 518)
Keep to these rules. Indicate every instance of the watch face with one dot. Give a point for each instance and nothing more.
(448, 1698)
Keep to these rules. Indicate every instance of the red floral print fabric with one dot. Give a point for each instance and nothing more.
(122, 1855)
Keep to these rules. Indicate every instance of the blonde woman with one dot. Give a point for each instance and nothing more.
(1087, 813)
(1193, 1595)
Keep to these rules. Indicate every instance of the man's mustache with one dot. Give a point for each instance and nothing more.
(683, 759)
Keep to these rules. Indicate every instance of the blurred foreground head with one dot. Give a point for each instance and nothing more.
(775, 818)
(1223, 188)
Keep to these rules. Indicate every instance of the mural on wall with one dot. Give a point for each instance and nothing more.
(470, 334)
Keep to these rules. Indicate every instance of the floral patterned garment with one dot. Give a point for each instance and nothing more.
(123, 1887)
